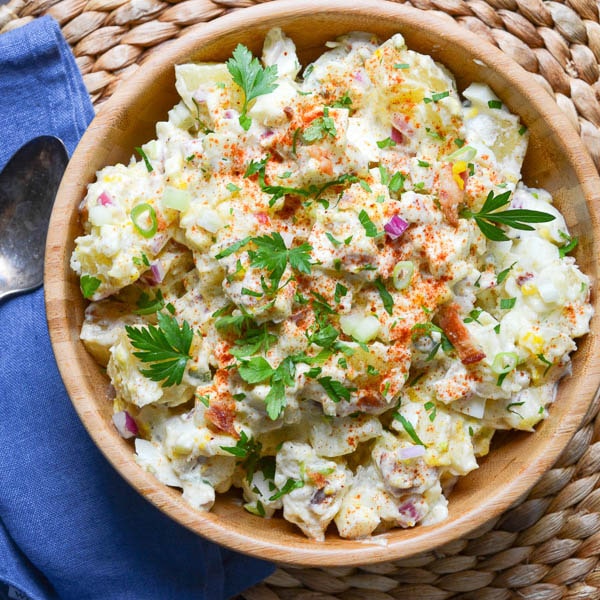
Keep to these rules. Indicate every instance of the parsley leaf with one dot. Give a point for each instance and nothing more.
(254, 340)
(249, 449)
(320, 127)
(325, 336)
(258, 370)
(344, 102)
(255, 370)
(517, 218)
(166, 348)
(89, 285)
(272, 254)
(254, 79)
(147, 305)
(335, 390)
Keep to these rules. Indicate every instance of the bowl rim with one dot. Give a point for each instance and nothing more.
(58, 289)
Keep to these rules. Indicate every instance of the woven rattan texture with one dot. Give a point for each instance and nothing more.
(548, 546)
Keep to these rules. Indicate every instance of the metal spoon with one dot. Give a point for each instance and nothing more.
(28, 185)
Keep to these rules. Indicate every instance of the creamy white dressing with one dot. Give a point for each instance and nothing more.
(365, 411)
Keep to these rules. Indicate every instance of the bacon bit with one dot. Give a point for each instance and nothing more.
(289, 112)
(221, 414)
(290, 206)
(370, 399)
(521, 279)
(449, 320)
(450, 195)
(263, 218)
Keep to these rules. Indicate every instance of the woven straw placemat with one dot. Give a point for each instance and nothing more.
(548, 546)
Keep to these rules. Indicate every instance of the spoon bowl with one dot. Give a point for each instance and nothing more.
(28, 185)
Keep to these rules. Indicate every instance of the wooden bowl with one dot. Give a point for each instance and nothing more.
(556, 160)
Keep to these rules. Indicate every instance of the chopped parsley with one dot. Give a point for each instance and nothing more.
(290, 486)
(387, 143)
(335, 390)
(503, 274)
(146, 305)
(365, 221)
(89, 284)
(145, 158)
(386, 297)
(570, 244)
(507, 303)
(410, 430)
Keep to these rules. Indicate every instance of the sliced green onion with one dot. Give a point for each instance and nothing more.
(176, 199)
(504, 362)
(402, 274)
(466, 153)
(138, 217)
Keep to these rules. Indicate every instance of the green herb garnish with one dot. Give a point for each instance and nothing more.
(148, 305)
(517, 218)
(335, 390)
(290, 485)
(410, 430)
(320, 127)
(365, 221)
(386, 297)
(145, 159)
(89, 284)
(165, 347)
(254, 79)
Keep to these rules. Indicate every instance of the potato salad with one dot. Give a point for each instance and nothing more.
(327, 287)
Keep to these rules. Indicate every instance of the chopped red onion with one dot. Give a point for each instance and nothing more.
(396, 136)
(105, 200)
(395, 227)
(200, 96)
(229, 114)
(402, 127)
(411, 452)
(262, 217)
(158, 242)
(358, 76)
(410, 511)
(125, 424)
(158, 271)
(267, 134)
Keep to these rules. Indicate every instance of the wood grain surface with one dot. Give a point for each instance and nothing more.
(556, 160)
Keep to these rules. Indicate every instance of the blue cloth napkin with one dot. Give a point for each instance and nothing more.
(70, 526)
